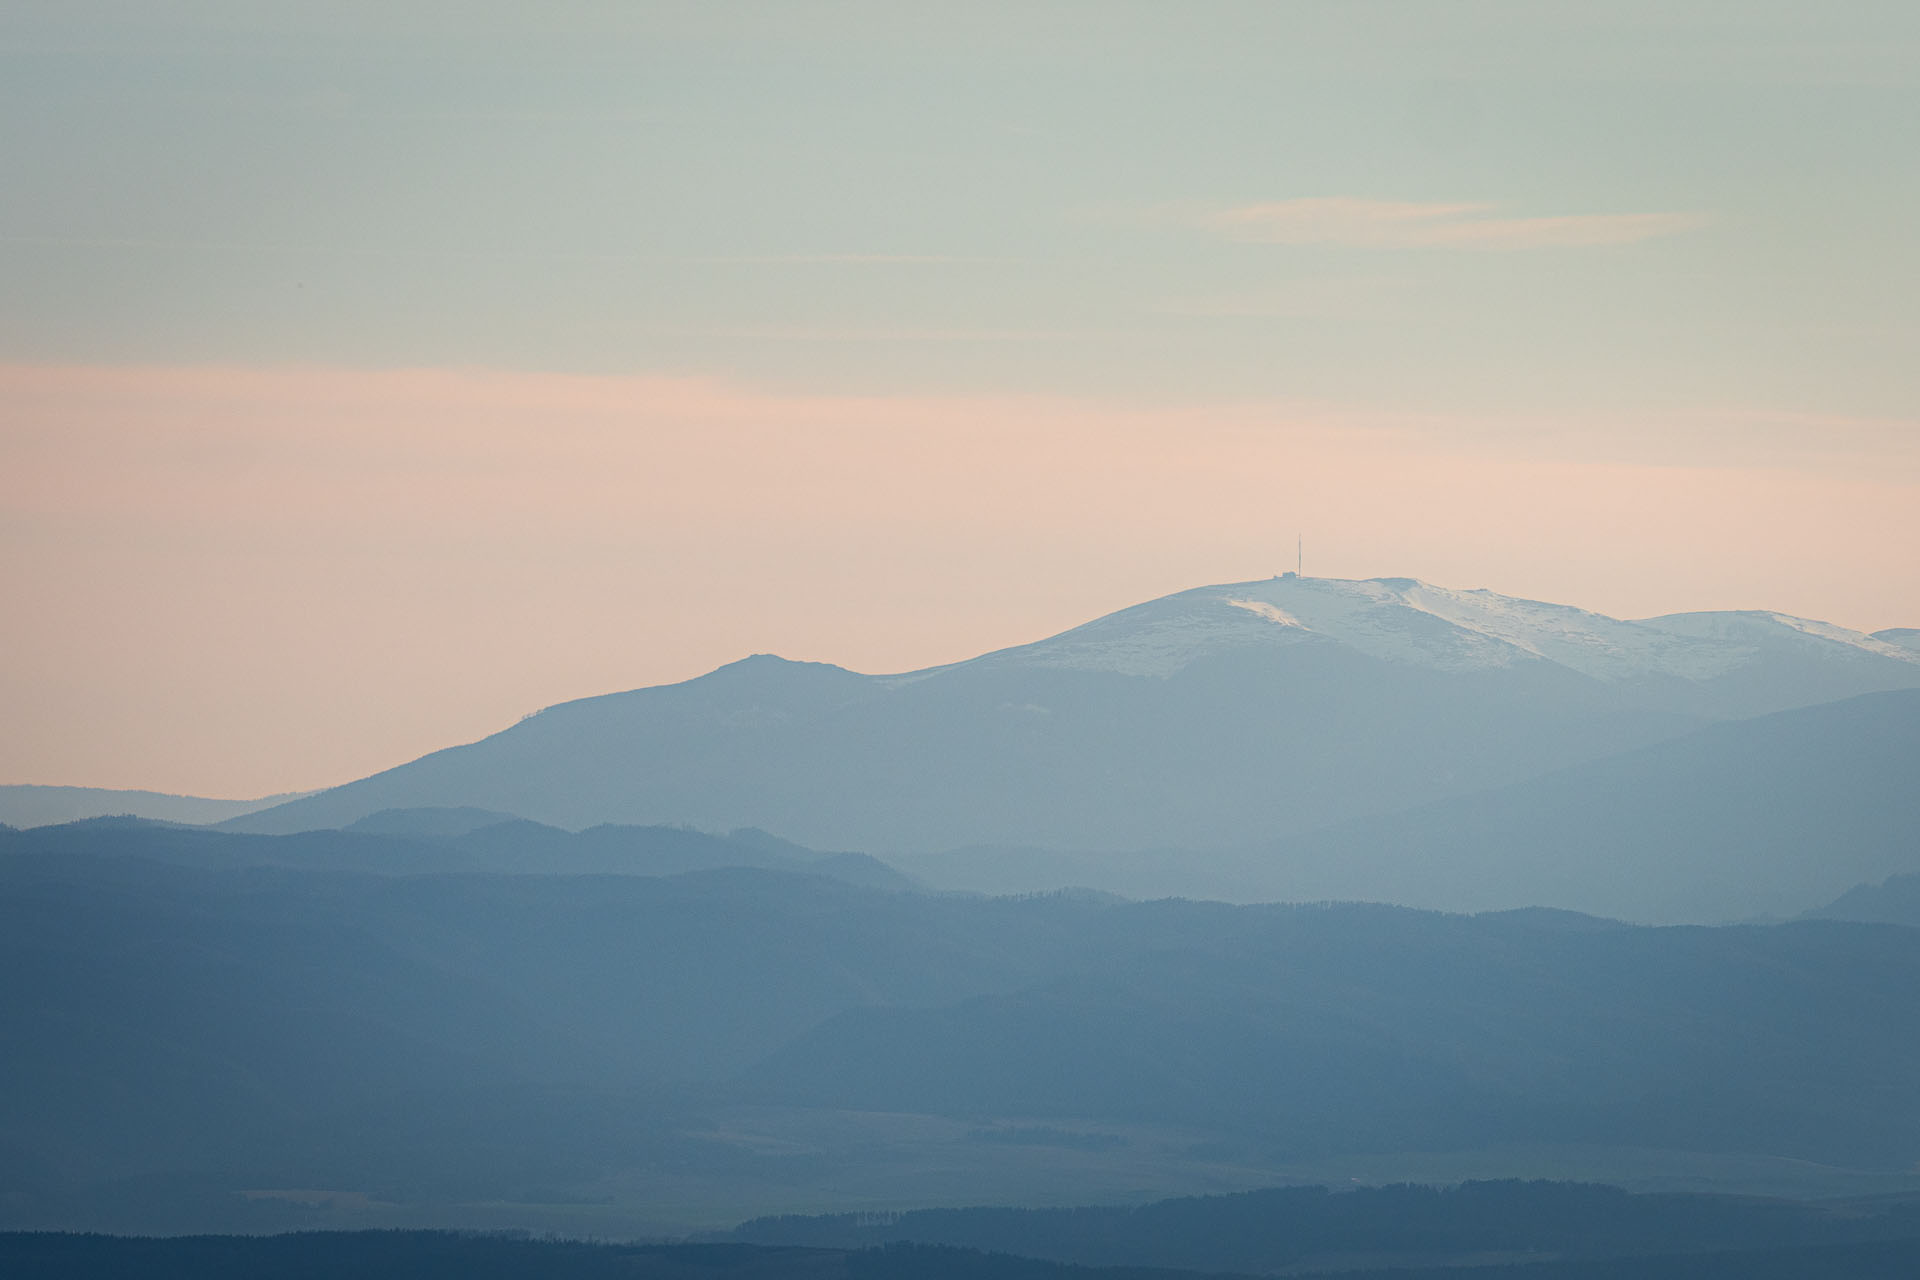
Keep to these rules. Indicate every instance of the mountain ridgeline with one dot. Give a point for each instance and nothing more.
(1289, 739)
(1738, 820)
(642, 1053)
(411, 842)
(35, 806)
(1311, 1229)
(1511, 1229)
(1222, 715)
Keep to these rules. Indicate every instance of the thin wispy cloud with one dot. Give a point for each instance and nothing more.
(803, 333)
(496, 254)
(1391, 224)
(844, 259)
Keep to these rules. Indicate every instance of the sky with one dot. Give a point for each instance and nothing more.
(374, 374)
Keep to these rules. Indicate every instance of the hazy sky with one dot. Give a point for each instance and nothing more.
(373, 373)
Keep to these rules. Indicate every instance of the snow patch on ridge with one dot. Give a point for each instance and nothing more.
(1412, 623)
(1753, 628)
(1271, 612)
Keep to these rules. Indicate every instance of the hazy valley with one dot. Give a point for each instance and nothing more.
(563, 977)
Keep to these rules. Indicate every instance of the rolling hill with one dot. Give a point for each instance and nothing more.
(36, 806)
(176, 1036)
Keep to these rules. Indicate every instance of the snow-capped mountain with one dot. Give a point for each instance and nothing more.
(1225, 714)
(1412, 623)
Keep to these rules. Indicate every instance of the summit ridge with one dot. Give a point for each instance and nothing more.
(1213, 716)
(1409, 622)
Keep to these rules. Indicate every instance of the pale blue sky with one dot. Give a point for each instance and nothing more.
(966, 197)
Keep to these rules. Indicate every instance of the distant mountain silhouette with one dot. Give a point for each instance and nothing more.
(441, 841)
(1895, 900)
(1749, 818)
(1370, 1029)
(428, 823)
(1745, 818)
(193, 1031)
(32, 806)
(1308, 1229)
(1227, 714)
(1541, 1231)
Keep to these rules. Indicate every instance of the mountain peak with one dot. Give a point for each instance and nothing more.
(1337, 698)
(1408, 622)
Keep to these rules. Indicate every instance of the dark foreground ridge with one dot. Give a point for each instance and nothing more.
(429, 1255)
(1311, 1228)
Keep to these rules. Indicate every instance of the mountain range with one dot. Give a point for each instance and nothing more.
(1225, 714)
(635, 1053)
(1290, 738)
(40, 806)
(415, 842)
(1737, 820)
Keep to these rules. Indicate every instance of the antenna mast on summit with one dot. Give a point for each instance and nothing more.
(1299, 555)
